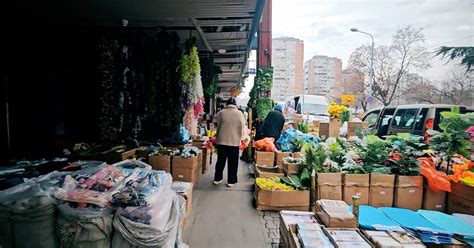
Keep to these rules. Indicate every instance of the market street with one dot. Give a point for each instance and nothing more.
(222, 216)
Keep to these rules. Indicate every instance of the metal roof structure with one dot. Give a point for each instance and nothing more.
(227, 26)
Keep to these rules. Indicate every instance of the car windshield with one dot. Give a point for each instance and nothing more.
(314, 109)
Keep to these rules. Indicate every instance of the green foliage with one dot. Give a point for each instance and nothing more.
(303, 127)
(209, 73)
(466, 54)
(297, 144)
(315, 157)
(407, 148)
(345, 115)
(263, 107)
(375, 154)
(263, 83)
(453, 138)
(189, 65)
(163, 89)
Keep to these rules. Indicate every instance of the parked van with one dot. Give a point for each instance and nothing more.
(310, 107)
(414, 119)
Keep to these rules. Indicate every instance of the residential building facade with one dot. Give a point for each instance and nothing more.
(287, 61)
(323, 76)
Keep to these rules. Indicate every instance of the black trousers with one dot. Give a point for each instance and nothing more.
(229, 154)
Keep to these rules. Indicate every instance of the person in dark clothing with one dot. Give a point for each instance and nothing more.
(273, 124)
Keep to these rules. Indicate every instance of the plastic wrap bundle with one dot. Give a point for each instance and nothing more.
(85, 227)
(154, 225)
(30, 214)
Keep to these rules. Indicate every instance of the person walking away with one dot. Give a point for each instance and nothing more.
(273, 124)
(230, 124)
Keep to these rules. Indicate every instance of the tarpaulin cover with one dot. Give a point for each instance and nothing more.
(371, 218)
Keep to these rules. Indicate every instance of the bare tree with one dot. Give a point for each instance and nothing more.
(392, 63)
(358, 64)
(458, 89)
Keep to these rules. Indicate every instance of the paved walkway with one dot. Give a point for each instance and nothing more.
(226, 217)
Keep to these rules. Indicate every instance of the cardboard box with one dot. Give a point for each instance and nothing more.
(185, 189)
(143, 152)
(356, 184)
(382, 239)
(408, 192)
(288, 221)
(279, 156)
(329, 186)
(291, 168)
(180, 162)
(434, 200)
(297, 155)
(160, 162)
(461, 199)
(112, 156)
(330, 129)
(264, 158)
(281, 200)
(353, 126)
(267, 172)
(347, 237)
(206, 159)
(185, 169)
(335, 214)
(381, 190)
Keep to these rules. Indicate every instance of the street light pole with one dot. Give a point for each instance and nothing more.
(371, 69)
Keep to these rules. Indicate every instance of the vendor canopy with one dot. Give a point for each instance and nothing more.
(224, 28)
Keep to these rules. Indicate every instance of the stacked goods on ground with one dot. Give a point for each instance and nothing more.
(333, 224)
(121, 205)
(401, 170)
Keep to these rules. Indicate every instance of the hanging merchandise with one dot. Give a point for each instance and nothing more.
(110, 107)
(209, 73)
(190, 71)
(164, 113)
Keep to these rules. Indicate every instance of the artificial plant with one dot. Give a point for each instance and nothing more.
(405, 149)
(163, 86)
(263, 107)
(209, 73)
(263, 83)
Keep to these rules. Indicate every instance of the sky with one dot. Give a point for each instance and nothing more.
(325, 25)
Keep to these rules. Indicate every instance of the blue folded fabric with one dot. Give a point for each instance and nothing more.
(449, 222)
(371, 218)
(409, 219)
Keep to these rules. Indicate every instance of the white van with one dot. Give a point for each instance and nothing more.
(311, 107)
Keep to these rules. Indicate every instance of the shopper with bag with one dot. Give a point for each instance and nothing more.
(230, 123)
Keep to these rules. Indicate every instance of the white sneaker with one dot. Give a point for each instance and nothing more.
(230, 185)
(218, 182)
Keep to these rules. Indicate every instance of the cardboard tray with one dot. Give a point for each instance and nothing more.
(327, 230)
(267, 172)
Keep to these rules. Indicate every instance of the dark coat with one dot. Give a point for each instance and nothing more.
(273, 125)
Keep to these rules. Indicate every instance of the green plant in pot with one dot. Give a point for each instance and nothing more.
(453, 138)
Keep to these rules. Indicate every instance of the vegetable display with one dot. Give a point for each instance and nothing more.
(272, 184)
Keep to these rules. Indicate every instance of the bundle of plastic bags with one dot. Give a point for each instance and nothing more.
(27, 217)
(265, 145)
(154, 225)
(85, 227)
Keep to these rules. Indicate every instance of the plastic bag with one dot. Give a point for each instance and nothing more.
(285, 140)
(437, 181)
(85, 227)
(31, 212)
(160, 229)
(265, 144)
(343, 129)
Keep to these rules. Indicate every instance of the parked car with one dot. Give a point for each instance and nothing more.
(414, 119)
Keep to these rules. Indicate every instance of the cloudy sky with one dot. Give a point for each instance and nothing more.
(324, 24)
